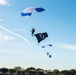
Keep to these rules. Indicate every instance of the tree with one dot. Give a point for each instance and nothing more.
(12, 71)
(65, 72)
(72, 72)
(17, 68)
(56, 72)
(30, 68)
(39, 69)
(4, 70)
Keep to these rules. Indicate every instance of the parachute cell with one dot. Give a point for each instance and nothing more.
(28, 11)
(27, 14)
(40, 9)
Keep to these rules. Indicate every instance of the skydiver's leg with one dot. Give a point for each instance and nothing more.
(31, 34)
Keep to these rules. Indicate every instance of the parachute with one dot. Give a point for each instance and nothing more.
(28, 11)
(41, 36)
(46, 45)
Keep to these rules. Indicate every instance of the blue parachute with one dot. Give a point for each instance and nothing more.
(46, 45)
(28, 11)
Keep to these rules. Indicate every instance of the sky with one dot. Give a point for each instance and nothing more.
(19, 48)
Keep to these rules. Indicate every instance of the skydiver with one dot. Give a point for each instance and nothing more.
(32, 31)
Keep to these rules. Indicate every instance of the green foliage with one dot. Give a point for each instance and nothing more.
(18, 69)
(4, 70)
(30, 68)
(12, 71)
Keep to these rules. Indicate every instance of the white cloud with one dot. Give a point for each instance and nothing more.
(4, 2)
(6, 38)
(15, 34)
(66, 46)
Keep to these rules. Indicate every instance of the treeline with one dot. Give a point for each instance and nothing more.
(19, 70)
(64, 72)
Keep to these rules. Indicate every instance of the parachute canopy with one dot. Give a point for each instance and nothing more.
(46, 45)
(28, 11)
(41, 36)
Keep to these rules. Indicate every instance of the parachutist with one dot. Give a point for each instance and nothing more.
(32, 31)
(47, 53)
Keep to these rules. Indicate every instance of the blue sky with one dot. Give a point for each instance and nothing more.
(19, 48)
